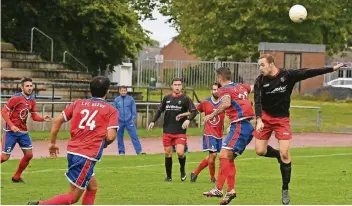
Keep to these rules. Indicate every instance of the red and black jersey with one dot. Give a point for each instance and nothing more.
(174, 105)
(273, 94)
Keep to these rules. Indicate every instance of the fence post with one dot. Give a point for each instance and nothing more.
(199, 120)
(65, 127)
(147, 120)
(147, 94)
(52, 99)
(318, 119)
(71, 92)
(43, 111)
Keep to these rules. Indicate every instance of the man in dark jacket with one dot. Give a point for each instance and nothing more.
(127, 116)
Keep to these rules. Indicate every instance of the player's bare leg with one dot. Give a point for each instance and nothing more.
(168, 163)
(285, 168)
(27, 156)
(90, 193)
(180, 150)
(263, 149)
(5, 157)
(227, 171)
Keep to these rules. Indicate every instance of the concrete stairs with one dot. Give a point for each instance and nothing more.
(18, 64)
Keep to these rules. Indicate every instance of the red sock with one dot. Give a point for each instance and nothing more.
(65, 199)
(231, 178)
(203, 164)
(212, 169)
(223, 173)
(23, 165)
(89, 197)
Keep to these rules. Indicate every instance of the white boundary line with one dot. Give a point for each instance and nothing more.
(189, 163)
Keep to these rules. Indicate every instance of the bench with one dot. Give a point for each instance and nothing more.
(10, 78)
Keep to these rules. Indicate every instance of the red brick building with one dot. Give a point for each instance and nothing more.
(176, 51)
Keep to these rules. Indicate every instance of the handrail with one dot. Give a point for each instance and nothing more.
(64, 59)
(52, 41)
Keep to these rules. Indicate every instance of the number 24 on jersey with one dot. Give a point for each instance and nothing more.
(87, 123)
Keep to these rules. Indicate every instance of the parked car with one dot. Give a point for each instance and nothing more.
(341, 82)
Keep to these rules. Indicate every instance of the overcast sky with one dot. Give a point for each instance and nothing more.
(161, 31)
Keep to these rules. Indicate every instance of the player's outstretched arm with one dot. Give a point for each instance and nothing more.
(302, 74)
(110, 136)
(38, 118)
(225, 103)
(53, 148)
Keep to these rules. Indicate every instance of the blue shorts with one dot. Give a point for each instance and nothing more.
(10, 138)
(210, 143)
(239, 137)
(80, 170)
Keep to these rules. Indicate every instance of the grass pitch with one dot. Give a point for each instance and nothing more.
(319, 176)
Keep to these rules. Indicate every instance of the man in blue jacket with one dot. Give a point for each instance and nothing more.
(126, 106)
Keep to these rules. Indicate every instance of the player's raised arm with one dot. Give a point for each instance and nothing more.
(302, 74)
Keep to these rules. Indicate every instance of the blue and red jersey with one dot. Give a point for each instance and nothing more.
(90, 120)
(19, 107)
(215, 126)
(241, 106)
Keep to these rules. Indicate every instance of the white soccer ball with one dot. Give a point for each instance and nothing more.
(298, 13)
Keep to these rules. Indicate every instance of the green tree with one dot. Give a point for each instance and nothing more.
(99, 33)
(222, 28)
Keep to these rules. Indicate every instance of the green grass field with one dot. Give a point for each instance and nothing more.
(319, 176)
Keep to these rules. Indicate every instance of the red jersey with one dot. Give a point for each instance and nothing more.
(241, 106)
(214, 127)
(90, 120)
(19, 107)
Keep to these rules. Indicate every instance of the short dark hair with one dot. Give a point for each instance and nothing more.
(269, 58)
(215, 84)
(99, 86)
(25, 79)
(122, 87)
(225, 72)
(176, 80)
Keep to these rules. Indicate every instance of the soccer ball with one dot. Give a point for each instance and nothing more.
(298, 13)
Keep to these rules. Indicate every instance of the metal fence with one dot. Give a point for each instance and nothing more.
(201, 74)
(312, 119)
(341, 73)
(195, 74)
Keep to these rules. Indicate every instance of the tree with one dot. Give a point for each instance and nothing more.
(99, 33)
(223, 28)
